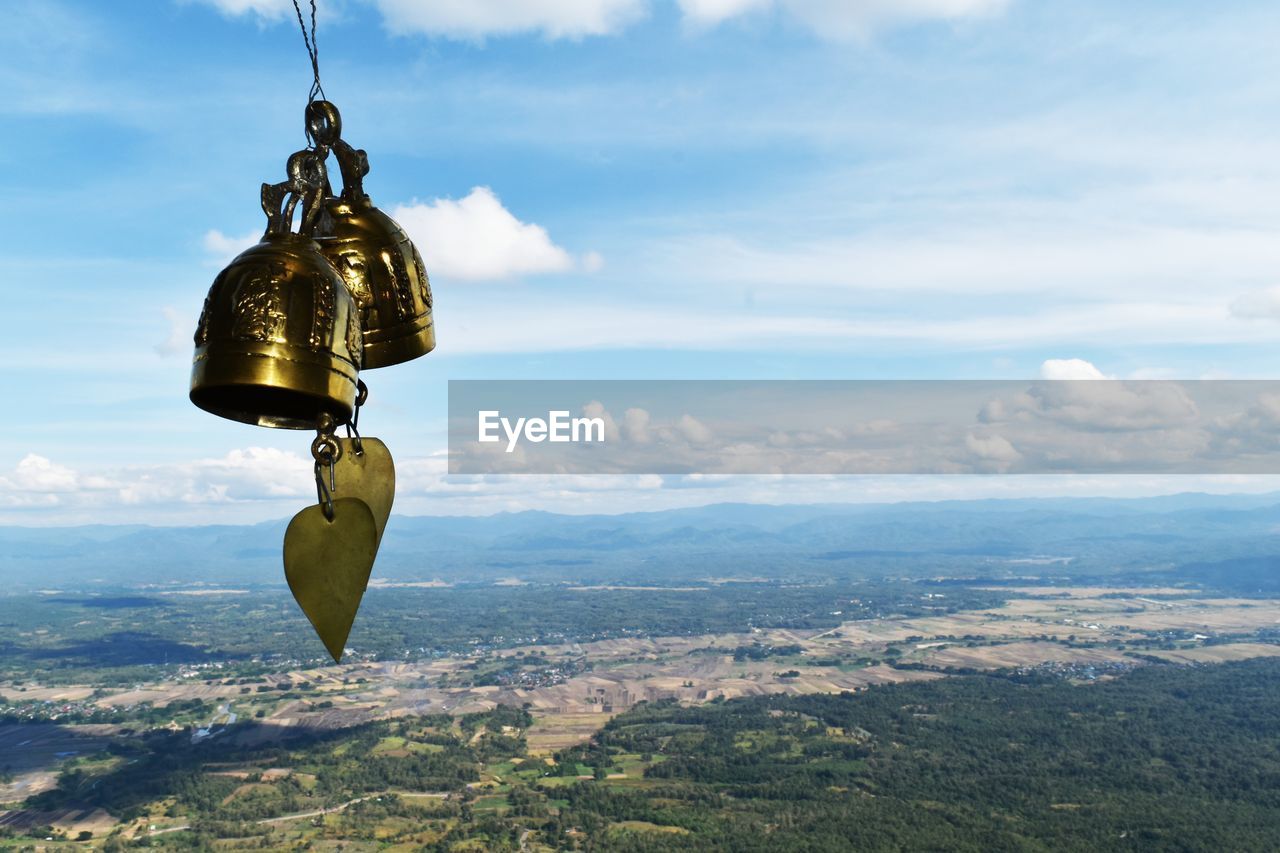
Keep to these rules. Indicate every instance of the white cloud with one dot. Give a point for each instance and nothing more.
(596, 409)
(264, 10)
(221, 248)
(1258, 305)
(473, 19)
(1070, 368)
(575, 19)
(525, 322)
(842, 19)
(256, 484)
(39, 482)
(635, 426)
(473, 239)
(1255, 430)
(694, 430)
(477, 239)
(1144, 405)
(709, 12)
(253, 473)
(991, 451)
(179, 339)
(250, 475)
(997, 255)
(35, 473)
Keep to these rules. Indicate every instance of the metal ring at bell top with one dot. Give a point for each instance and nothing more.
(324, 123)
(326, 450)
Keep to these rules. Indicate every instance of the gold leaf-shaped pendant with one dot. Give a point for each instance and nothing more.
(369, 475)
(327, 564)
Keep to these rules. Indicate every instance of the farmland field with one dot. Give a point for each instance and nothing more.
(231, 714)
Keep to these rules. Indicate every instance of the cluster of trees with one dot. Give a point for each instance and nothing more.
(344, 763)
(761, 651)
(1170, 758)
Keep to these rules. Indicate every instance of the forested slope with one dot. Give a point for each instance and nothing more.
(1164, 758)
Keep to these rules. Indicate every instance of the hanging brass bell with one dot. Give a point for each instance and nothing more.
(279, 342)
(377, 260)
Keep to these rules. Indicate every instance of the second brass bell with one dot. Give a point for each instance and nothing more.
(377, 260)
(387, 280)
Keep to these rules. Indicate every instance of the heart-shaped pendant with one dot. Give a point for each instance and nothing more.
(369, 475)
(327, 564)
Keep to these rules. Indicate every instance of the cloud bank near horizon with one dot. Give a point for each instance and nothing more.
(254, 484)
(575, 19)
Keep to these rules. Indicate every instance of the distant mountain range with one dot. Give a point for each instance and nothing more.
(987, 538)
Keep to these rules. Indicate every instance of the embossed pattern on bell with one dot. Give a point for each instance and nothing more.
(355, 338)
(259, 304)
(351, 266)
(323, 290)
(385, 274)
(277, 347)
(424, 281)
(202, 327)
(401, 290)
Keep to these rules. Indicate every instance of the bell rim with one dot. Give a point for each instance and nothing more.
(273, 375)
(268, 421)
(400, 347)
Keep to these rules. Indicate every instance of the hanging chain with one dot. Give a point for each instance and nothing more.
(313, 50)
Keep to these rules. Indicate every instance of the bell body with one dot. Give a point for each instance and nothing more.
(386, 278)
(279, 342)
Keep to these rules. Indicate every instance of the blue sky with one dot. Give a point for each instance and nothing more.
(622, 189)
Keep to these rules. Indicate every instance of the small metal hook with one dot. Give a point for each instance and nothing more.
(353, 425)
(323, 493)
(326, 451)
